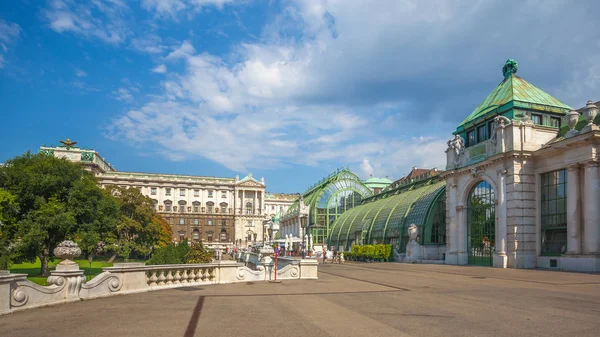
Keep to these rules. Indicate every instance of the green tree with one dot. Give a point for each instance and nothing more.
(8, 218)
(135, 231)
(97, 214)
(43, 229)
(41, 186)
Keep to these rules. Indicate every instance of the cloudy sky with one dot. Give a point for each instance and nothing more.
(288, 90)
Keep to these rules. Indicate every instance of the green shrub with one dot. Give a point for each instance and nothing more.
(198, 254)
(388, 252)
(170, 254)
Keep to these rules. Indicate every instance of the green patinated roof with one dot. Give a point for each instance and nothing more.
(277, 217)
(514, 91)
(373, 182)
(249, 177)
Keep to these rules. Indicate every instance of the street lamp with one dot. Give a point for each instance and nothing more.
(303, 225)
(270, 231)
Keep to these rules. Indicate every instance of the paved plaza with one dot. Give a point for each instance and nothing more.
(353, 299)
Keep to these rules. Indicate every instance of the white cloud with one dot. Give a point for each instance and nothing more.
(80, 73)
(161, 69)
(325, 85)
(151, 44)
(172, 7)
(366, 167)
(9, 33)
(123, 94)
(100, 19)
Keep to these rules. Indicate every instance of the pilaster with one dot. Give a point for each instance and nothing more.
(500, 258)
(573, 210)
(591, 196)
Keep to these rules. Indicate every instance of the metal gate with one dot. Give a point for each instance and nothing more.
(481, 224)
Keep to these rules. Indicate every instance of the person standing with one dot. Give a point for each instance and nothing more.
(334, 256)
(324, 255)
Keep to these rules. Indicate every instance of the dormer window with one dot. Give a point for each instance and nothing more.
(471, 138)
(481, 134)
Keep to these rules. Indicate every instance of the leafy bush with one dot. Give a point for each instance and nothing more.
(387, 252)
(199, 254)
(370, 252)
(170, 254)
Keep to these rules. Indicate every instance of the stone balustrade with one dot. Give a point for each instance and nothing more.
(17, 293)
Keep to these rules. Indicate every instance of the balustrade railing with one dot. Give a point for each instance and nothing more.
(66, 282)
(177, 275)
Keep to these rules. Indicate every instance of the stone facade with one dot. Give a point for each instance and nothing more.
(220, 212)
(534, 222)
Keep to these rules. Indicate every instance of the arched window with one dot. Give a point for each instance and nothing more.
(223, 236)
(181, 236)
(196, 206)
(168, 205)
(182, 206)
(196, 235)
(155, 204)
(210, 205)
(209, 236)
(223, 207)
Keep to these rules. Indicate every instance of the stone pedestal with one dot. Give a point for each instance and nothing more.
(414, 251)
(67, 272)
(500, 260)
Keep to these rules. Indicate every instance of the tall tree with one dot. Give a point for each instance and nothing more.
(165, 237)
(41, 185)
(136, 230)
(9, 210)
(43, 229)
(97, 214)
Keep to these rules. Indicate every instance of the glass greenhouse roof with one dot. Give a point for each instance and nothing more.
(384, 219)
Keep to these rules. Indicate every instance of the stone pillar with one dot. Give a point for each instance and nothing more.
(591, 196)
(500, 258)
(451, 222)
(573, 210)
(461, 249)
(254, 203)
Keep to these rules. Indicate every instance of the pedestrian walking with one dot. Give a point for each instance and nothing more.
(334, 256)
(324, 255)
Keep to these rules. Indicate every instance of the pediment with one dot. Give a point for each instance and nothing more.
(250, 184)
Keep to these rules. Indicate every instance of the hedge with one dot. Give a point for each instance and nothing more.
(378, 252)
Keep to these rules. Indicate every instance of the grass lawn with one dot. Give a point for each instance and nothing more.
(33, 269)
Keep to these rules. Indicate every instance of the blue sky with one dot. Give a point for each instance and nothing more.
(287, 90)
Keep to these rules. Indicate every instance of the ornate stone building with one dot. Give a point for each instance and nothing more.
(522, 182)
(221, 212)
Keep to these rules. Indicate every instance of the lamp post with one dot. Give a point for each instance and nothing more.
(303, 219)
(270, 231)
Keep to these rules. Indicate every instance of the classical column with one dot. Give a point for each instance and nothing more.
(500, 258)
(591, 196)
(254, 203)
(573, 210)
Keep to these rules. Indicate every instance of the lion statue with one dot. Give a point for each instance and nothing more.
(413, 232)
